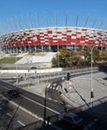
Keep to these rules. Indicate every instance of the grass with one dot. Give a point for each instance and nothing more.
(9, 60)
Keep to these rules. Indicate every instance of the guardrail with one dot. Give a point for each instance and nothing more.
(81, 108)
(50, 76)
(55, 117)
(91, 105)
(64, 73)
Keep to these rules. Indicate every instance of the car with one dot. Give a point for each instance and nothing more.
(72, 119)
(13, 93)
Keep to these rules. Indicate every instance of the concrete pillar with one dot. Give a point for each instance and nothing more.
(35, 48)
(50, 48)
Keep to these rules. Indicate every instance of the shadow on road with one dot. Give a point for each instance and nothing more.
(95, 118)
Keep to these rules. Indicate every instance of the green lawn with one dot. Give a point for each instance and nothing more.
(9, 60)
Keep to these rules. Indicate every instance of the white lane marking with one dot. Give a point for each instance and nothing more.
(55, 100)
(25, 110)
(9, 114)
(49, 98)
(6, 83)
(53, 88)
(40, 104)
(5, 87)
(57, 88)
(49, 85)
(21, 123)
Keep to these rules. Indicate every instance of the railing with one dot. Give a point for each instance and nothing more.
(55, 118)
(84, 107)
(73, 73)
(51, 75)
(91, 105)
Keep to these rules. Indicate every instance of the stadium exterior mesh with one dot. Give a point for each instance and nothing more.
(53, 38)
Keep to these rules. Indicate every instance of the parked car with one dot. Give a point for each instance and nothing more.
(72, 119)
(13, 93)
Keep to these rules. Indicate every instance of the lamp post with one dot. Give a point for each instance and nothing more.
(91, 85)
(44, 116)
(17, 75)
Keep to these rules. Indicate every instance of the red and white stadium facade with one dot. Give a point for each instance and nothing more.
(53, 38)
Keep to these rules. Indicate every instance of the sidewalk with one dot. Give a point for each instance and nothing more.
(38, 88)
(70, 96)
(83, 86)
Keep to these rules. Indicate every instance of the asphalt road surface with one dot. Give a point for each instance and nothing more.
(34, 103)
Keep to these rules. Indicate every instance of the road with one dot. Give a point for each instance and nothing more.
(83, 85)
(32, 102)
(31, 107)
(12, 116)
(35, 103)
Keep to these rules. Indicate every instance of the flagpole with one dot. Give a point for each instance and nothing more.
(77, 18)
(55, 39)
(92, 60)
(47, 23)
(85, 24)
(66, 22)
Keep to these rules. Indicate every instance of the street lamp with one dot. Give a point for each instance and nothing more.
(44, 116)
(91, 85)
(46, 119)
(17, 75)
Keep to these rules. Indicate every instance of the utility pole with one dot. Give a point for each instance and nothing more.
(77, 19)
(44, 116)
(91, 87)
(47, 24)
(56, 20)
(66, 22)
(92, 60)
(85, 25)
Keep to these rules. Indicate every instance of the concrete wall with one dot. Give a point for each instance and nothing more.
(33, 71)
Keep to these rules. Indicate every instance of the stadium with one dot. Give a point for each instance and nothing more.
(51, 39)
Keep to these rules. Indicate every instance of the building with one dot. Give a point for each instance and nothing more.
(52, 39)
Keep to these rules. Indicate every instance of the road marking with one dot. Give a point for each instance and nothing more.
(7, 83)
(5, 87)
(40, 104)
(9, 114)
(57, 88)
(48, 85)
(55, 100)
(37, 103)
(21, 123)
(49, 98)
(25, 110)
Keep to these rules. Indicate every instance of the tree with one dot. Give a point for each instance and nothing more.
(64, 53)
(61, 59)
(79, 58)
(95, 54)
(55, 62)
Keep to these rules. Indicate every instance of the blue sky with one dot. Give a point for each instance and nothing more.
(21, 14)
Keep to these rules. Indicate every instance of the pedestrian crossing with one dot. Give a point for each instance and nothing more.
(54, 86)
(53, 92)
